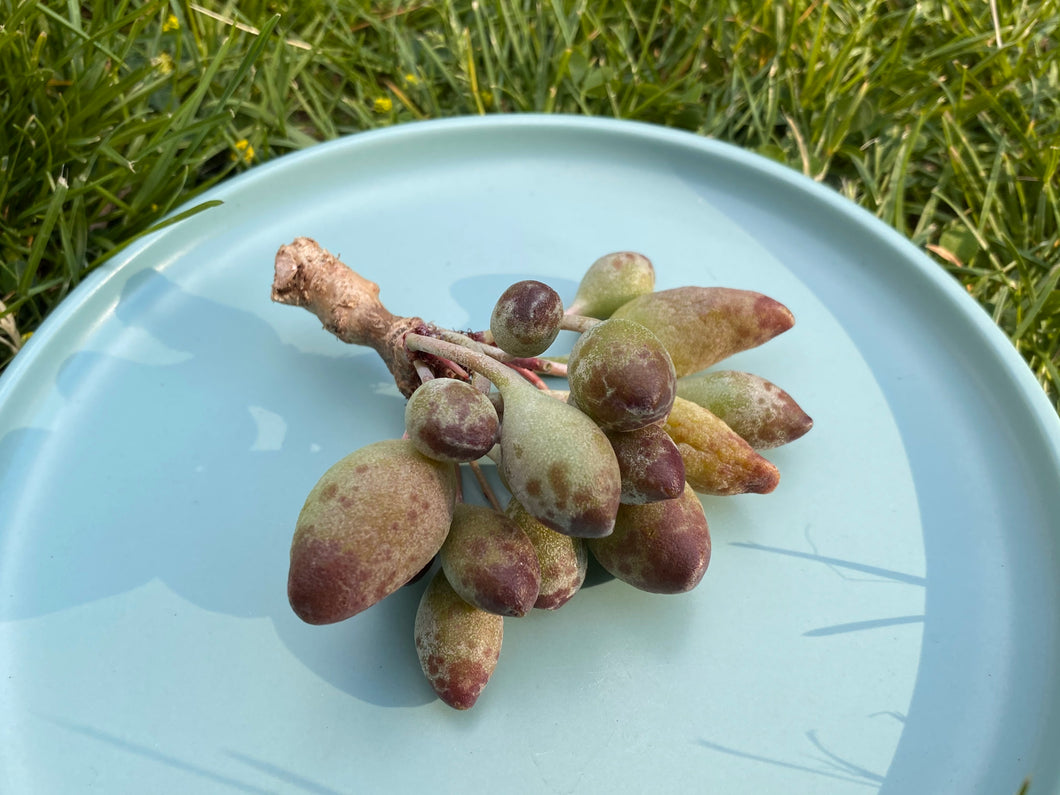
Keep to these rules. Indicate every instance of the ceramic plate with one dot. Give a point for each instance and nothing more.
(886, 620)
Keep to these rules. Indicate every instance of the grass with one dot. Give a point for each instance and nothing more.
(940, 117)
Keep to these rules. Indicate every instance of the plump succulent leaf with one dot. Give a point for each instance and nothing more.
(490, 561)
(450, 420)
(760, 411)
(526, 318)
(559, 464)
(563, 560)
(700, 326)
(717, 459)
(611, 281)
(368, 526)
(621, 375)
(651, 465)
(458, 645)
(662, 547)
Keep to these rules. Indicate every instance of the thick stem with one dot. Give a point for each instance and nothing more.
(348, 305)
(502, 376)
(575, 308)
(579, 323)
(533, 363)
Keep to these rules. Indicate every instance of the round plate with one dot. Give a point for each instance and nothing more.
(886, 620)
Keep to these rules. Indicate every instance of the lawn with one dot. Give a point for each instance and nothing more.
(940, 117)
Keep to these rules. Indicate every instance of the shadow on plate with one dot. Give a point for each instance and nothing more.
(184, 453)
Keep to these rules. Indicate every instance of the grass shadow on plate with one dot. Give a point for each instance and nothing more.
(189, 447)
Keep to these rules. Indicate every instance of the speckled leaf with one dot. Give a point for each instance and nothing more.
(458, 645)
(662, 547)
(490, 562)
(700, 326)
(717, 460)
(373, 521)
(563, 560)
(758, 410)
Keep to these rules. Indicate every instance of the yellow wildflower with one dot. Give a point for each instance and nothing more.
(244, 150)
(171, 23)
(486, 97)
(382, 105)
(411, 80)
(163, 62)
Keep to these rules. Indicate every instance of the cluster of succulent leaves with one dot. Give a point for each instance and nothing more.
(611, 466)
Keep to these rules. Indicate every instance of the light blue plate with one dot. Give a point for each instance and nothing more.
(887, 620)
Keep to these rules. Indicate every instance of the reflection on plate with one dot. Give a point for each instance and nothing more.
(887, 620)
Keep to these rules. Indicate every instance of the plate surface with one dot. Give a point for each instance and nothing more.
(887, 620)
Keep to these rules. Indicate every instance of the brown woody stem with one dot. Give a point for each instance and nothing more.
(346, 303)
(309, 276)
